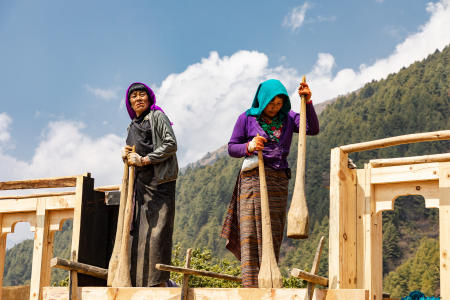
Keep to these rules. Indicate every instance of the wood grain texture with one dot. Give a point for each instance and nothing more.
(398, 140)
(114, 260)
(123, 276)
(298, 215)
(269, 274)
(104, 293)
(66, 264)
(188, 271)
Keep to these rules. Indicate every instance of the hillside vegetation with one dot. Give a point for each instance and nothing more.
(416, 99)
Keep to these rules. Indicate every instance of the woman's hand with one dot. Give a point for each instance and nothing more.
(125, 150)
(303, 89)
(135, 159)
(257, 143)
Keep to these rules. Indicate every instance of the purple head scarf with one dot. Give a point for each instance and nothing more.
(151, 99)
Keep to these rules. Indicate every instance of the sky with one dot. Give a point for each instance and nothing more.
(65, 67)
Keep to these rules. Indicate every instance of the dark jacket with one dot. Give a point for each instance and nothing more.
(163, 158)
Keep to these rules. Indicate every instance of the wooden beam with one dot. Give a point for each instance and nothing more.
(39, 251)
(185, 286)
(69, 265)
(169, 268)
(385, 194)
(398, 140)
(30, 204)
(55, 182)
(405, 173)
(316, 279)
(444, 228)
(105, 293)
(107, 188)
(342, 241)
(360, 231)
(37, 195)
(377, 163)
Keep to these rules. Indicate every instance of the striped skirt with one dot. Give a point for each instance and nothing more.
(242, 226)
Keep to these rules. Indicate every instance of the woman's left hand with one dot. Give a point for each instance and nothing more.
(135, 159)
(303, 89)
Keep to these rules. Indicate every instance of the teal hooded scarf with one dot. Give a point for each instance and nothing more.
(266, 91)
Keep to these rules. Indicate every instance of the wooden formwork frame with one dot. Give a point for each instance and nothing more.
(46, 214)
(359, 196)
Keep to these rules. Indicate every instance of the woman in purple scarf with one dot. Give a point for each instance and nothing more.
(154, 189)
(272, 118)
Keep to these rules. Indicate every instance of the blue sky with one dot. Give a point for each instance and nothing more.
(66, 64)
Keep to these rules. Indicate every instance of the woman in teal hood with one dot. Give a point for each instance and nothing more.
(270, 117)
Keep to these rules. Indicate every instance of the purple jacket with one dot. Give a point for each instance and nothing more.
(275, 154)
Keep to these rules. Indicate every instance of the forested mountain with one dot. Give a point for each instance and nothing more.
(416, 99)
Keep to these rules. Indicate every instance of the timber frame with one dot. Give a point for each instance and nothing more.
(359, 196)
(46, 213)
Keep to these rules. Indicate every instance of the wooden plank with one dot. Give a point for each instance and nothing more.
(377, 163)
(58, 217)
(444, 228)
(105, 293)
(360, 241)
(15, 292)
(29, 204)
(10, 206)
(169, 268)
(107, 188)
(398, 140)
(405, 173)
(39, 250)
(55, 182)
(65, 264)
(342, 250)
(316, 279)
(373, 256)
(37, 195)
(385, 194)
(10, 220)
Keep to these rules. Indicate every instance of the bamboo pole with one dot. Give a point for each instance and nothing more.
(398, 140)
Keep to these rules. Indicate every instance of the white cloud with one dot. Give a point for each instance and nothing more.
(296, 16)
(435, 34)
(5, 120)
(104, 94)
(65, 150)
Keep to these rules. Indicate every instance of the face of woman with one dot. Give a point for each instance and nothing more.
(273, 107)
(139, 102)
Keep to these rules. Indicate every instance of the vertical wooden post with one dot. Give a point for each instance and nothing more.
(2, 254)
(185, 286)
(342, 245)
(360, 232)
(81, 186)
(444, 228)
(373, 242)
(38, 269)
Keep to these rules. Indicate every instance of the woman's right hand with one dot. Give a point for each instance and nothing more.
(257, 143)
(125, 150)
